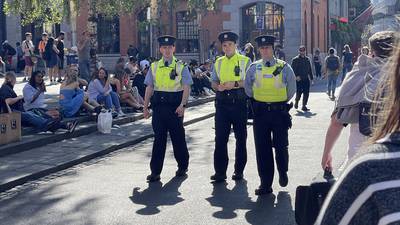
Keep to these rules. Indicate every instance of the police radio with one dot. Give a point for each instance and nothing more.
(278, 70)
(173, 74)
(237, 70)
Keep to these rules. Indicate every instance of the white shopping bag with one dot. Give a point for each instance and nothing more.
(104, 122)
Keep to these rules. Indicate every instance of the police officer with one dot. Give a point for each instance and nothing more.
(270, 83)
(168, 86)
(231, 110)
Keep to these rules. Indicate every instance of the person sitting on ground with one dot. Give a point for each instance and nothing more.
(353, 92)
(34, 97)
(138, 79)
(367, 192)
(8, 97)
(132, 65)
(72, 97)
(100, 91)
(120, 85)
(197, 89)
(203, 72)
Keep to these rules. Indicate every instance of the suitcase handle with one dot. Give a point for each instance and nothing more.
(328, 174)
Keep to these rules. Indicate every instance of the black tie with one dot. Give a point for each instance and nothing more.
(166, 63)
(267, 64)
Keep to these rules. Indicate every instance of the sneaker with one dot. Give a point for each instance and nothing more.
(71, 126)
(305, 109)
(59, 80)
(120, 113)
(153, 178)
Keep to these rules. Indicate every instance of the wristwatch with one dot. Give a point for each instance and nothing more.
(236, 84)
(184, 105)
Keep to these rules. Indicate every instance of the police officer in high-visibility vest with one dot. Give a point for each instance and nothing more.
(270, 83)
(231, 110)
(168, 87)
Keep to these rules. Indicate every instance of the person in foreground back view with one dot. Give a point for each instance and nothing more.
(358, 87)
(368, 192)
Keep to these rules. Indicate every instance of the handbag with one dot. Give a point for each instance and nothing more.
(310, 198)
(104, 122)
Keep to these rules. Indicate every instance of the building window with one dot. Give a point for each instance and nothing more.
(262, 18)
(108, 35)
(187, 30)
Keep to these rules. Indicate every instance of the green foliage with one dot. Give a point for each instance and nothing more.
(54, 11)
(345, 33)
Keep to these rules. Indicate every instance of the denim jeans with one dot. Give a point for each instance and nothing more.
(347, 67)
(84, 69)
(332, 84)
(110, 100)
(31, 119)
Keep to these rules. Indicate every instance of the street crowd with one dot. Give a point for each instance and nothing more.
(367, 103)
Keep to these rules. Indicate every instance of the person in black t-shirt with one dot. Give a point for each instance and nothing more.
(60, 47)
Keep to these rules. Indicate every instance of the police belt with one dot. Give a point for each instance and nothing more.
(270, 107)
(231, 96)
(166, 98)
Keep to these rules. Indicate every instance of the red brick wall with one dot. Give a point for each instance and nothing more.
(127, 32)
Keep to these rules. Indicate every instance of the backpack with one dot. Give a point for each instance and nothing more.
(332, 63)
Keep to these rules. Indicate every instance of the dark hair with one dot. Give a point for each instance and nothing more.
(132, 59)
(98, 71)
(28, 34)
(32, 80)
(381, 43)
(331, 51)
(49, 45)
(44, 34)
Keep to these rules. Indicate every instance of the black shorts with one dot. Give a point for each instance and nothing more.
(60, 63)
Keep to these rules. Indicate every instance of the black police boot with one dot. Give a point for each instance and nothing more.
(237, 176)
(283, 179)
(296, 104)
(263, 190)
(181, 172)
(153, 177)
(218, 177)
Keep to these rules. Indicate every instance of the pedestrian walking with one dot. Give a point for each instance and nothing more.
(347, 61)
(270, 83)
(51, 56)
(231, 108)
(317, 63)
(168, 86)
(331, 71)
(301, 65)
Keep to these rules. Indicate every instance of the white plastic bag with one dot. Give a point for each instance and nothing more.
(104, 122)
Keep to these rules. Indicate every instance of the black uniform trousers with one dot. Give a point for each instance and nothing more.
(229, 115)
(271, 130)
(165, 121)
(303, 88)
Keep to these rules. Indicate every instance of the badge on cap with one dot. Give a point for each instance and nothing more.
(263, 40)
(166, 39)
(225, 36)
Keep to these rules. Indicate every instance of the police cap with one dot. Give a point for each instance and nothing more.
(265, 40)
(228, 36)
(166, 40)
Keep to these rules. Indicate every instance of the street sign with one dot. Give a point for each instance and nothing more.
(260, 22)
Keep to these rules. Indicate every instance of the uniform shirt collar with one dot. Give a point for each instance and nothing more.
(169, 61)
(272, 62)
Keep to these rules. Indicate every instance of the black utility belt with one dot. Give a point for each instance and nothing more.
(234, 94)
(161, 97)
(269, 107)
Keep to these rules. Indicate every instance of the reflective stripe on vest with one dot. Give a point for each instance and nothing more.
(224, 68)
(161, 76)
(267, 87)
